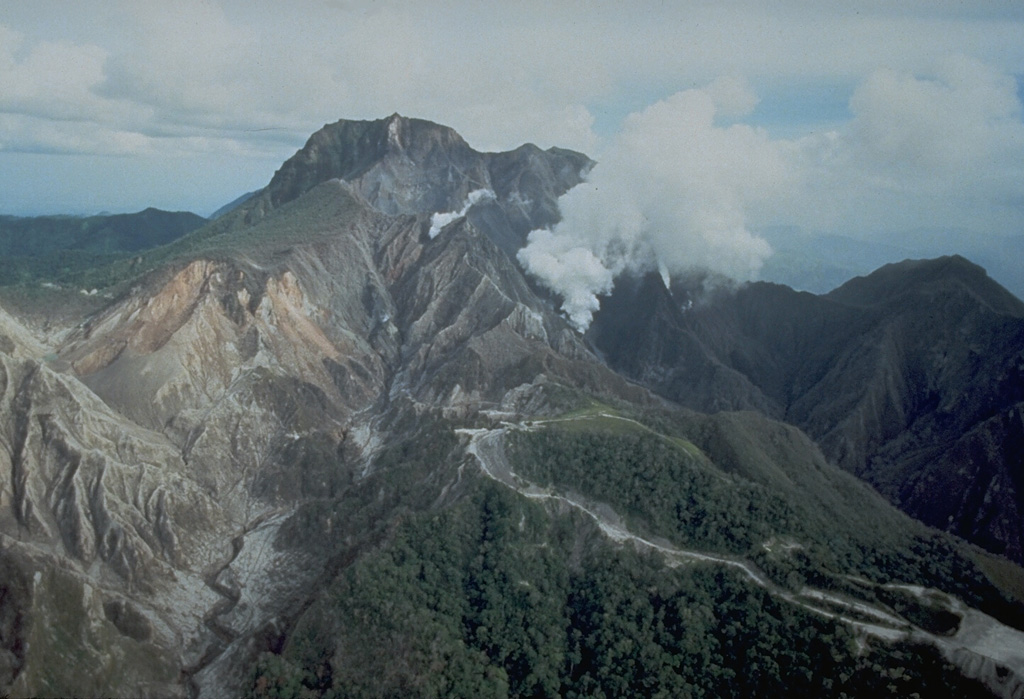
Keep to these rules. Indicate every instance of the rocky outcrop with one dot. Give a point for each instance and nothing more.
(411, 166)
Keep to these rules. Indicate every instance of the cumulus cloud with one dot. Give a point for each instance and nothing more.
(922, 143)
(944, 148)
(964, 116)
(677, 190)
(442, 219)
(243, 69)
(501, 76)
(235, 69)
(672, 192)
(48, 78)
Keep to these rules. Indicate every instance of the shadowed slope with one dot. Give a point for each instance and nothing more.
(911, 378)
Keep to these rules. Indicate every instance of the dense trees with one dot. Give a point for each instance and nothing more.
(494, 597)
(667, 487)
(490, 594)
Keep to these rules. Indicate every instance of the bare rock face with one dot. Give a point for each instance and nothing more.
(155, 452)
(398, 165)
(410, 166)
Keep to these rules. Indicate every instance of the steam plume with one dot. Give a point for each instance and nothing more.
(671, 193)
(442, 219)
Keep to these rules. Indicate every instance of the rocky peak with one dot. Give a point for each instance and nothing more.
(379, 155)
(399, 165)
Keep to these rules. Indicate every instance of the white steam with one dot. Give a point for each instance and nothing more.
(570, 269)
(442, 219)
(671, 193)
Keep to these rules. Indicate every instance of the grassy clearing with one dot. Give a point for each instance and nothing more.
(599, 417)
(1007, 575)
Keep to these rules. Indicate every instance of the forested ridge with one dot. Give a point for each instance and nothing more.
(60, 249)
(497, 595)
(496, 598)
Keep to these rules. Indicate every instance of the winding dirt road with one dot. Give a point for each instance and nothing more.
(982, 647)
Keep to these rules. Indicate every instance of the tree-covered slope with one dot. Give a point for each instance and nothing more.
(45, 248)
(910, 378)
(513, 585)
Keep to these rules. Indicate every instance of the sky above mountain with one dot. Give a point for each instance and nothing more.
(709, 120)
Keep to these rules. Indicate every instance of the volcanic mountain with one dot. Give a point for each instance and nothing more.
(335, 443)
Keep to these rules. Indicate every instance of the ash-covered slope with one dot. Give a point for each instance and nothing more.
(97, 566)
(910, 378)
(315, 449)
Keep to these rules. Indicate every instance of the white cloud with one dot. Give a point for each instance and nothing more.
(27, 135)
(672, 191)
(49, 79)
(442, 219)
(943, 149)
(500, 75)
(571, 269)
(677, 190)
(962, 118)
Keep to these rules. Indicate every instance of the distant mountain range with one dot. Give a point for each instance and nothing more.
(336, 443)
(46, 247)
(819, 262)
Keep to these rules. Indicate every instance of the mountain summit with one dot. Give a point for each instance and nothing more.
(411, 166)
(334, 443)
(403, 165)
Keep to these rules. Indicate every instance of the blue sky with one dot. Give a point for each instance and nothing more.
(858, 116)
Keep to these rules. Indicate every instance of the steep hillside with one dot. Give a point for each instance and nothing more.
(910, 378)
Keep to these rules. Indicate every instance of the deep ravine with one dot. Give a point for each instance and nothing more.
(220, 580)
